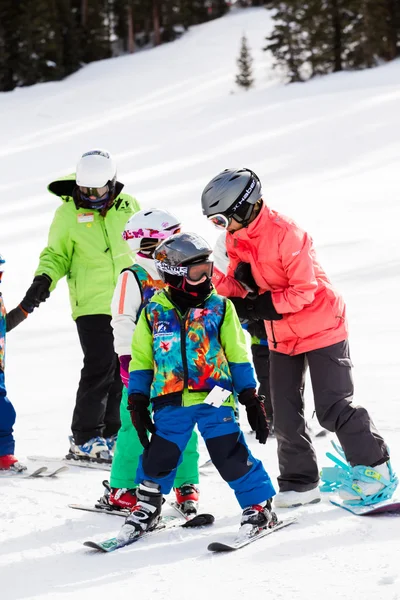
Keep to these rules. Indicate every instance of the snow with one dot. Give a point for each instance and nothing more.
(327, 152)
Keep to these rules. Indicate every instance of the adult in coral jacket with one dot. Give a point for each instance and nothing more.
(85, 244)
(305, 320)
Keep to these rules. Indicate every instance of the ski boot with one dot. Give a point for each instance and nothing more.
(146, 514)
(187, 499)
(94, 450)
(259, 516)
(112, 443)
(9, 463)
(117, 498)
(291, 499)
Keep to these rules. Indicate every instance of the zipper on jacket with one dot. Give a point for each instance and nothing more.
(183, 350)
(107, 240)
(182, 322)
(273, 335)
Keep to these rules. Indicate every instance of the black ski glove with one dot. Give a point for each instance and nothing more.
(256, 415)
(252, 309)
(240, 305)
(138, 405)
(37, 293)
(244, 276)
(262, 308)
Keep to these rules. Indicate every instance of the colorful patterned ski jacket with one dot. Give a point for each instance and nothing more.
(283, 261)
(178, 359)
(87, 248)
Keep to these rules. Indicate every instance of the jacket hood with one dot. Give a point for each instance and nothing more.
(64, 187)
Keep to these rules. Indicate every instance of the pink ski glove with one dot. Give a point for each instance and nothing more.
(124, 361)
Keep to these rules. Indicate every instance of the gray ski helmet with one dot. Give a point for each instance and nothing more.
(232, 192)
(177, 251)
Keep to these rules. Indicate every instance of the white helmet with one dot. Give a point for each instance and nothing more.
(147, 228)
(96, 169)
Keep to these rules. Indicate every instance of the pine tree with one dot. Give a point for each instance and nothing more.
(244, 77)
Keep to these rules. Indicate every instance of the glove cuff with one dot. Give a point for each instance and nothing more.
(248, 397)
(137, 400)
(43, 276)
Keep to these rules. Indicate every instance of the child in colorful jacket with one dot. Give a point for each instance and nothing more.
(135, 288)
(188, 356)
(8, 462)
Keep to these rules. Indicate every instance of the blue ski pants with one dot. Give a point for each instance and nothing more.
(7, 420)
(226, 445)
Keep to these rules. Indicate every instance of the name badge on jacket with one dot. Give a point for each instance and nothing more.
(85, 217)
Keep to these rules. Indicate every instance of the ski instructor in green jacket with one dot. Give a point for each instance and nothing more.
(85, 244)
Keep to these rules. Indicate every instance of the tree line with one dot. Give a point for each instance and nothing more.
(317, 37)
(46, 40)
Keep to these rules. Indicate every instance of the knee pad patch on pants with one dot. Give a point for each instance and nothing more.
(161, 457)
(229, 456)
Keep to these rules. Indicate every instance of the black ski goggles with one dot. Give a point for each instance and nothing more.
(199, 270)
(193, 272)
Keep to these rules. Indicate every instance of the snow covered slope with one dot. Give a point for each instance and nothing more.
(328, 154)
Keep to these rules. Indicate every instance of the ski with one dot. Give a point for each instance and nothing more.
(73, 461)
(167, 522)
(386, 506)
(242, 541)
(56, 472)
(96, 508)
(124, 512)
(22, 473)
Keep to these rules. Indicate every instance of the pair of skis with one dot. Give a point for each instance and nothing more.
(248, 534)
(73, 461)
(38, 473)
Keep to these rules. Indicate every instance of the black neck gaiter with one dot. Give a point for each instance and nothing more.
(191, 296)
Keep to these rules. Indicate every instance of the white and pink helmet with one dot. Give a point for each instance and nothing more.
(147, 228)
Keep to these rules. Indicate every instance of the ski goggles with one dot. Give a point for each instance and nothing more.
(220, 221)
(193, 272)
(93, 194)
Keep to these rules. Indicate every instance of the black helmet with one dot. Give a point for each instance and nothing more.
(232, 193)
(183, 256)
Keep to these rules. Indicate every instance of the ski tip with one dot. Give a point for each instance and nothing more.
(96, 546)
(218, 547)
(200, 521)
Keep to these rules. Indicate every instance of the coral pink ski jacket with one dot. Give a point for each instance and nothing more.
(283, 261)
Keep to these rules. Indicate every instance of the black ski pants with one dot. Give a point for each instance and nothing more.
(260, 354)
(99, 393)
(332, 383)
